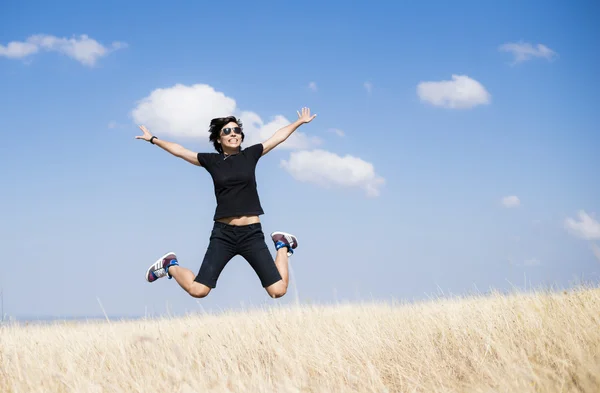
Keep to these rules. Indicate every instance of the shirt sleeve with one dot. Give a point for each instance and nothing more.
(255, 151)
(205, 159)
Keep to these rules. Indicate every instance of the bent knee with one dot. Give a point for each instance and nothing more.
(199, 290)
(277, 290)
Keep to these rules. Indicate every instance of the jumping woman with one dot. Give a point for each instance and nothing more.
(237, 228)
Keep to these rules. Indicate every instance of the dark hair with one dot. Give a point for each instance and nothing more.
(215, 130)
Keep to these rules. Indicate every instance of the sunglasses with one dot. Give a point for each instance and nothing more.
(227, 131)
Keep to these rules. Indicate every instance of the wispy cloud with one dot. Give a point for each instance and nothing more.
(18, 50)
(511, 201)
(337, 132)
(532, 262)
(529, 262)
(461, 92)
(82, 48)
(312, 86)
(115, 125)
(524, 51)
(586, 227)
(368, 87)
(596, 251)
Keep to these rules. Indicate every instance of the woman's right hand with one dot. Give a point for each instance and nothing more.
(146, 134)
(176, 149)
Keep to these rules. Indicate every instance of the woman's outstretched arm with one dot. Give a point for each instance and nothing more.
(171, 147)
(283, 133)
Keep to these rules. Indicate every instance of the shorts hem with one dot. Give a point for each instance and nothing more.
(272, 281)
(200, 280)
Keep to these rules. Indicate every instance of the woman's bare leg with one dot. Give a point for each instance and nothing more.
(167, 265)
(281, 261)
(288, 243)
(185, 278)
(279, 288)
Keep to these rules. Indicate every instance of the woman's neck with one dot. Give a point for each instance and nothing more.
(229, 152)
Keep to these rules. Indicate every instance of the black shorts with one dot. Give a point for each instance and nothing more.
(227, 241)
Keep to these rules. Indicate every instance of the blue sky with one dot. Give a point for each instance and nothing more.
(436, 124)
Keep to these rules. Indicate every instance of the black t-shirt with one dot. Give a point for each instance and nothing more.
(235, 182)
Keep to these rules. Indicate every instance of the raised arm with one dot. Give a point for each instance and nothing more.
(283, 133)
(173, 148)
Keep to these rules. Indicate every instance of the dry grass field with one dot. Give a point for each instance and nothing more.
(518, 343)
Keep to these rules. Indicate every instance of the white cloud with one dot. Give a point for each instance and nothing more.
(586, 228)
(368, 86)
(329, 170)
(511, 201)
(83, 49)
(184, 111)
(337, 132)
(312, 86)
(523, 51)
(17, 50)
(461, 92)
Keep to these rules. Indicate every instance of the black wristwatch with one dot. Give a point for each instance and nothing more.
(152, 138)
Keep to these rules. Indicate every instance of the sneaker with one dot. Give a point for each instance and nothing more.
(282, 239)
(161, 267)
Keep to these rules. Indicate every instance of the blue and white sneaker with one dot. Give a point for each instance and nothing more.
(282, 239)
(160, 268)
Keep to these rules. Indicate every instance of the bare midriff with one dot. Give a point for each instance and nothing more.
(240, 220)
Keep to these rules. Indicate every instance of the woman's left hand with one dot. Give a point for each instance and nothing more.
(305, 116)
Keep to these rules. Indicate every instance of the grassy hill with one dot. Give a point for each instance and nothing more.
(536, 342)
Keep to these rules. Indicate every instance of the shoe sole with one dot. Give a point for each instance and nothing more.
(286, 234)
(289, 253)
(160, 259)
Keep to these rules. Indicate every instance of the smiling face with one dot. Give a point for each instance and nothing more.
(230, 137)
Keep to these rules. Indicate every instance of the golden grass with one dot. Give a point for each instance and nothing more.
(518, 343)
